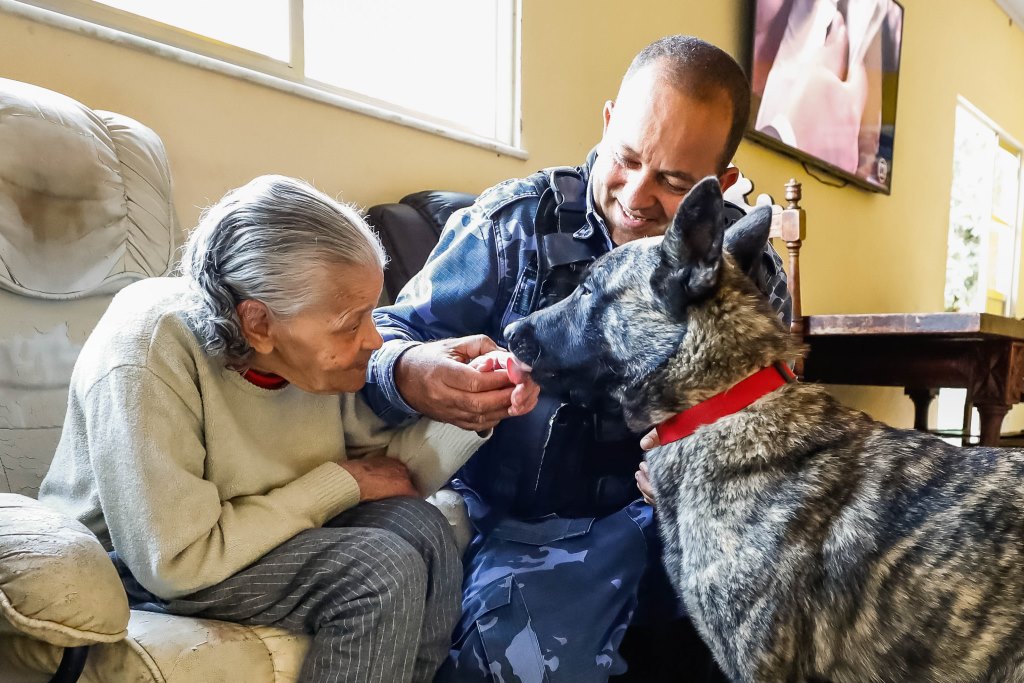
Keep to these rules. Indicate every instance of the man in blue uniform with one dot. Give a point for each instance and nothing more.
(565, 554)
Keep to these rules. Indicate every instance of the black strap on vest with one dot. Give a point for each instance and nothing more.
(580, 461)
(566, 243)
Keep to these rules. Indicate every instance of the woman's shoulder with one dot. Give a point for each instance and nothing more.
(144, 319)
(151, 296)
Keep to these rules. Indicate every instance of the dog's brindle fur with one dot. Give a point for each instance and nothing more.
(807, 540)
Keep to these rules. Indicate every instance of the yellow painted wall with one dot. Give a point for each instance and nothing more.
(871, 253)
(865, 252)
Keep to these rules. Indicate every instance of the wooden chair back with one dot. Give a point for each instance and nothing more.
(789, 224)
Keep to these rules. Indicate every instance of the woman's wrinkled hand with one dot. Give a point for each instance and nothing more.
(380, 477)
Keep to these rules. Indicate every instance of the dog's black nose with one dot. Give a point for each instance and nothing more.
(521, 341)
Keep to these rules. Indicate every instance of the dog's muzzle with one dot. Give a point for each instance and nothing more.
(522, 342)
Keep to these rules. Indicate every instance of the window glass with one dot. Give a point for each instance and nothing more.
(440, 58)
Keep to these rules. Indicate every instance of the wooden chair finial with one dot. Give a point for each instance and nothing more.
(794, 193)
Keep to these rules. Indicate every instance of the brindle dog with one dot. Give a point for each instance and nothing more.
(807, 540)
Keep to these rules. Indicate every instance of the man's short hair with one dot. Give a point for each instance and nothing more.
(705, 72)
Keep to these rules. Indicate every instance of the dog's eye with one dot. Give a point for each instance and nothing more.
(585, 290)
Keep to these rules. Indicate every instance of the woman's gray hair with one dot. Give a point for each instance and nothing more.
(262, 241)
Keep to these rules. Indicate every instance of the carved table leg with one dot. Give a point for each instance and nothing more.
(991, 422)
(997, 383)
(922, 399)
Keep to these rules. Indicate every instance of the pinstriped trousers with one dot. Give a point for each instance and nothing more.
(378, 588)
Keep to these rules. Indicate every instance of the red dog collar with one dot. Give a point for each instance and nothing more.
(732, 400)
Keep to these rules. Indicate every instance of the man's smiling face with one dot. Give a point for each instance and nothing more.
(658, 142)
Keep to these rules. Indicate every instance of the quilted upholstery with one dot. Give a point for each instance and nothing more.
(85, 199)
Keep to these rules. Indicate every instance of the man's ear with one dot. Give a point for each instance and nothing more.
(729, 178)
(608, 107)
(691, 251)
(255, 318)
(747, 237)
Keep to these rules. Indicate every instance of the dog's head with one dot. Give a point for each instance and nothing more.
(659, 324)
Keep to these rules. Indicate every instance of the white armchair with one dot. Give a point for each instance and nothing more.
(85, 208)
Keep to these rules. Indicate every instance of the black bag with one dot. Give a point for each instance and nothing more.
(409, 231)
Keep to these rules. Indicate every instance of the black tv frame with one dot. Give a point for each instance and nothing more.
(777, 145)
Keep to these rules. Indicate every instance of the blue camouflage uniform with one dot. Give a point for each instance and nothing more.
(545, 599)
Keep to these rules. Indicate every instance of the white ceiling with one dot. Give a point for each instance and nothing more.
(1015, 8)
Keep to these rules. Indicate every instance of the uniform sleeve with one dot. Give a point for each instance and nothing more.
(145, 441)
(454, 295)
(771, 280)
(432, 451)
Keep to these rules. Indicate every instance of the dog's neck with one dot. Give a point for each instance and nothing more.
(730, 336)
(732, 400)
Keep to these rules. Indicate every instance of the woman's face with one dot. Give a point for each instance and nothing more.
(326, 347)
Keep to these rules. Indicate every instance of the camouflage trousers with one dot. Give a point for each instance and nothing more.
(549, 600)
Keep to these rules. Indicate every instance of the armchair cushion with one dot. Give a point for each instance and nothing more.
(85, 197)
(57, 583)
(163, 648)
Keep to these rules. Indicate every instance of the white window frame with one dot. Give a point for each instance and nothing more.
(140, 33)
(951, 402)
(1006, 139)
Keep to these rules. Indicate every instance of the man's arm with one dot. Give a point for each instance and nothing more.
(457, 298)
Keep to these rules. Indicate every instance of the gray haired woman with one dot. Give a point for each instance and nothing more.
(214, 445)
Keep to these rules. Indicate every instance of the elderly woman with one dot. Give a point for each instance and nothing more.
(214, 444)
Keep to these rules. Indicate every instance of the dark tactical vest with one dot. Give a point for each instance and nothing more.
(559, 458)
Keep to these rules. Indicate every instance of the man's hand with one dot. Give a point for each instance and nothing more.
(436, 380)
(526, 391)
(643, 480)
(650, 440)
(380, 477)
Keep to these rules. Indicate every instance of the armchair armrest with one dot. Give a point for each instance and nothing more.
(57, 583)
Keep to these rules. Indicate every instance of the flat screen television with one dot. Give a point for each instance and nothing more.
(825, 76)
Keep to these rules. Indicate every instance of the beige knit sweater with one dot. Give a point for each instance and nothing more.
(192, 473)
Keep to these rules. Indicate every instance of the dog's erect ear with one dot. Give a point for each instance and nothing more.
(691, 252)
(747, 237)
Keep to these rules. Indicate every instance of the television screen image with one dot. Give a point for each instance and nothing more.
(824, 75)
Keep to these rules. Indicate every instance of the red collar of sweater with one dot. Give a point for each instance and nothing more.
(732, 400)
(264, 380)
